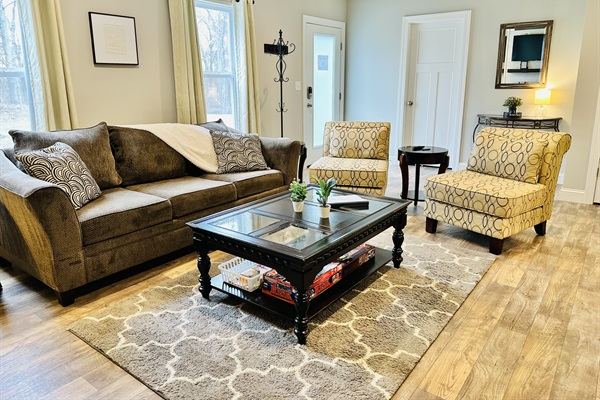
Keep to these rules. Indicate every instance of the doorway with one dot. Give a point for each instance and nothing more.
(323, 66)
(433, 81)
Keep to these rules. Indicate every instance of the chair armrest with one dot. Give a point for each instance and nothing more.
(282, 154)
(39, 229)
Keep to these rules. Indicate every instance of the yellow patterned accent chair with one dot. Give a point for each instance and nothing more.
(356, 155)
(508, 186)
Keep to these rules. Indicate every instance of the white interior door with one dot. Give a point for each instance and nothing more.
(323, 60)
(436, 59)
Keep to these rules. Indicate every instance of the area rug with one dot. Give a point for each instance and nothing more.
(185, 347)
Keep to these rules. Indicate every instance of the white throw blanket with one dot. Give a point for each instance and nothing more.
(192, 142)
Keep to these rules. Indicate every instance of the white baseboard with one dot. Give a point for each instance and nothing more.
(561, 178)
(572, 195)
(462, 166)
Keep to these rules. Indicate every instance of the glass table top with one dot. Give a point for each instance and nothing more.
(275, 221)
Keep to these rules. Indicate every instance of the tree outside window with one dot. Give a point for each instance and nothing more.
(16, 105)
(215, 34)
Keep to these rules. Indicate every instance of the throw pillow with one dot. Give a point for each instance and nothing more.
(142, 157)
(359, 140)
(92, 145)
(515, 159)
(61, 165)
(238, 152)
(219, 125)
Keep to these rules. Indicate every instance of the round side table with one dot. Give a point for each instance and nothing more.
(418, 155)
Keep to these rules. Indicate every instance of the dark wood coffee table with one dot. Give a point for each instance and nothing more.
(260, 231)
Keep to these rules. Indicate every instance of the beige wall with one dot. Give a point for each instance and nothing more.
(122, 94)
(373, 63)
(270, 16)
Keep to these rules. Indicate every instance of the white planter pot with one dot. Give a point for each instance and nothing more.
(325, 211)
(298, 206)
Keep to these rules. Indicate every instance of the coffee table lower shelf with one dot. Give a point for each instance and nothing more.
(319, 303)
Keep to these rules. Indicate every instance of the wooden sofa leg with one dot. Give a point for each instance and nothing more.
(65, 298)
(540, 228)
(496, 246)
(430, 225)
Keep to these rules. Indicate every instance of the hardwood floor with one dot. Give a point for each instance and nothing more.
(529, 330)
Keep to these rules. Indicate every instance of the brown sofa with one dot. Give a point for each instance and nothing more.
(137, 218)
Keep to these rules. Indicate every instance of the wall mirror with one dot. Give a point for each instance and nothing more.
(523, 54)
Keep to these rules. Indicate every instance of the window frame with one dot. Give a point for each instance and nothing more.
(232, 76)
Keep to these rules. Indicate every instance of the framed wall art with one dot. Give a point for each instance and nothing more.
(114, 39)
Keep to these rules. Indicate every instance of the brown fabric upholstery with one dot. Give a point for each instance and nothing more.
(142, 157)
(92, 145)
(249, 183)
(189, 194)
(120, 211)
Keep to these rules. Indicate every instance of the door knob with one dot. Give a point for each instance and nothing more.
(410, 103)
(308, 105)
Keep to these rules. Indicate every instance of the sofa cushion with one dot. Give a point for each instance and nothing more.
(142, 157)
(238, 152)
(92, 145)
(501, 197)
(352, 172)
(359, 140)
(517, 159)
(61, 165)
(120, 211)
(249, 183)
(189, 194)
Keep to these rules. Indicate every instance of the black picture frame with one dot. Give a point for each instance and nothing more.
(114, 39)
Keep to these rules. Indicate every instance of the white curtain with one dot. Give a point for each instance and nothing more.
(54, 102)
(189, 86)
(247, 67)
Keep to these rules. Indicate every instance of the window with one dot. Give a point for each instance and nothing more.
(16, 103)
(216, 37)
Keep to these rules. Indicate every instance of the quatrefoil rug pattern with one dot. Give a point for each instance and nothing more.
(363, 347)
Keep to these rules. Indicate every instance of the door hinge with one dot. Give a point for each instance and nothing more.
(340, 95)
(341, 44)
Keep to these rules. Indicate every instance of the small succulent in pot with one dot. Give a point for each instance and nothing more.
(512, 103)
(324, 190)
(298, 190)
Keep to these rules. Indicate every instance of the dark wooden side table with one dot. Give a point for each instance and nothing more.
(418, 155)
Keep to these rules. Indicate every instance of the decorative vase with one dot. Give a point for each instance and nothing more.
(298, 206)
(512, 111)
(325, 210)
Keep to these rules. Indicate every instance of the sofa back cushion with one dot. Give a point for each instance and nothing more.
(142, 157)
(92, 145)
(512, 158)
(367, 140)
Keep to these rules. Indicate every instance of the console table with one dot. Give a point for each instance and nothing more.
(514, 122)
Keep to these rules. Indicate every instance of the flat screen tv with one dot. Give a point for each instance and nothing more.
(528, 47)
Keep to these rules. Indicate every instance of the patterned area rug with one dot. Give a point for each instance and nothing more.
(363, 347)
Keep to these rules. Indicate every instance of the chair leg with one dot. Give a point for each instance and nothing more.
(540, 228)
(496, 246)
(430, 225)
(65, 298)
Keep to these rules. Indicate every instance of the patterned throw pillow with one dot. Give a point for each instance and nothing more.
(515, 159)
(61, 165)
(360, 140)
(238, 152)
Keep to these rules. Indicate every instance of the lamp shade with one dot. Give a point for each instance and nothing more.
(542, 96)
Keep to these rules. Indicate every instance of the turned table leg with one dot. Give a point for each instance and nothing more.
(204, 267)
(301, 302)
(398, 239)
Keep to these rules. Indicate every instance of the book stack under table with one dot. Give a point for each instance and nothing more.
(277, 286)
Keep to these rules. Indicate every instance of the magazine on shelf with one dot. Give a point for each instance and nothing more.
(349, 200)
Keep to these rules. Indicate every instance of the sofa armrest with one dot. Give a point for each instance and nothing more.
(282, 154)
(39, 229)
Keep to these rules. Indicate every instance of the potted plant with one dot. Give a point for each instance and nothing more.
(512, 103)
(298, 191)
(323, 192)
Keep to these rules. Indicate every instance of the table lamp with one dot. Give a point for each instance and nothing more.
(542, 97)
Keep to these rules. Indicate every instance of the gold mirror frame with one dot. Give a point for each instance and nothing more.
(502, 50)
